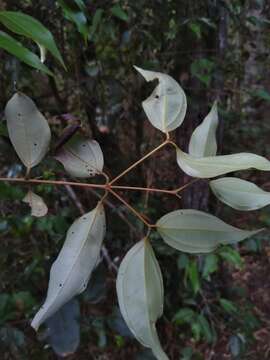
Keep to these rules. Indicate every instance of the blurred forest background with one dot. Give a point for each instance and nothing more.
(217, 306)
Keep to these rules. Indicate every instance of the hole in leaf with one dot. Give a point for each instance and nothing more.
(157, 97)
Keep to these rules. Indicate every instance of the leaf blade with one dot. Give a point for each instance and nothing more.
(15, 48)
(195, 231)
(212, 166)
(36, 203)
(139, 275)
(25, 125)
(240, 194)
(26, 25)
(203, 139)
(81, 157)
(73, 267)
(166, 106)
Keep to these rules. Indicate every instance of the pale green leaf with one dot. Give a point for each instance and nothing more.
(240, 194)
(15, 48)
(140, 295)
(166, 106)
(72, 269)
(203, 140)
(193, 274)
(28, 129)
(212, 166)
(36, 203)
(28, 26)
(81, 157)
(194, 231)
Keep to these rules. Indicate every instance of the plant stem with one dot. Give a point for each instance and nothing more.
(53, 182)
(135, 188)
(139, 161)
(131, 209)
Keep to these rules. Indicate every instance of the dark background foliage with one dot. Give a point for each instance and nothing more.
(216, 306)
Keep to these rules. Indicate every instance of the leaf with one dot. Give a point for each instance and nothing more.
(193, 274)
(81, 157)
(205, 327)
(96, 21)
(212, 166)
(26, 25)
(166, 106)
(63, 329)
(37, 204)
(232, 256)
(185, 315)
(202, 69)
(203, 140)
(228, 306)
(118, 12)
(240, 194)
(72, 269)
(194, 231)
(210, 265)
(140, 295)
(28, 129)
(15, 48)
(76, 16)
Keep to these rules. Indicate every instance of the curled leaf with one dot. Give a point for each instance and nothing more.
(82, 158)
(140, 295)
(37, 204)
(26, 25)
(72, 269)
(28, 129)
(166, 106)
(203, 140)
(194, 231)
(15, 48)
(212, 166)
(240, 194)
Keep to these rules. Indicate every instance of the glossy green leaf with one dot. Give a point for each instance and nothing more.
(194, 231)
(203, 140)
(37, 204)
(26, 25)
(28, 129)
(205, 328)
(81, 157)
(140, 295)
(166, 106)
(240, 194)
(15, 48)
(212, 166)
(72, 269)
